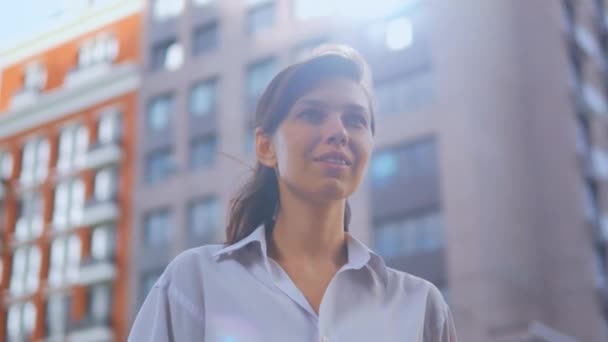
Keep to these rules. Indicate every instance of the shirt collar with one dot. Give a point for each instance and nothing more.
(359, 255)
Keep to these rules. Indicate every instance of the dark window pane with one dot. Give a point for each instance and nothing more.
(203, 98)
(258, 77)
(203, 219)
(202, 152)
(156, 227)
(159, 166)
(409, 234)
(159, 54)
(57, 315)
(159, 112)
(100, 302)
(403, 163)
(408, 93)
(205, 38)
(384, 167)
(260, 17)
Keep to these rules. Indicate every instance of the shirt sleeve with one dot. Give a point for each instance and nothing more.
(165, 316)
(446, 332)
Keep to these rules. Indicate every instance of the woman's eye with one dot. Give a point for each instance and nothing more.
(356, 121)
(311, 115)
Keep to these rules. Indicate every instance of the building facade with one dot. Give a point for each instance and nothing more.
(68, 105)
(488, 176)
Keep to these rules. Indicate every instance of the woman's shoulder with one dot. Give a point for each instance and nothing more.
(189, 265)
(410, 286)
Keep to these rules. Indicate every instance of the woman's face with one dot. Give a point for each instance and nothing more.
(323, 145)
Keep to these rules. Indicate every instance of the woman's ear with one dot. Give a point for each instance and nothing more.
(264, 149)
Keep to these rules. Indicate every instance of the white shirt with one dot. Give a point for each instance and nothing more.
(237, 293)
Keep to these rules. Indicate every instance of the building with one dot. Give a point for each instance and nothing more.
(489, 175)
(68, 104)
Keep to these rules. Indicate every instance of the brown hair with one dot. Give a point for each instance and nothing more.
(257, 200)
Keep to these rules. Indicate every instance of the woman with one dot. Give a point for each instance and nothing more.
(290, 271)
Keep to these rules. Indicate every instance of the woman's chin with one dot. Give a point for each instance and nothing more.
(334, 189)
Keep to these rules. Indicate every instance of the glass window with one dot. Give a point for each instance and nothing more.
(409, 235)
(21, 321)
(33, 270)
(102, 243)
(202, 152)
(203, 219)
(28, 161)
(387, 240)
(420, 157)
(69, 204)
(61, 204)
(35, 161)
(203, 98)
(108, 127)
(29, 223)
(259, 76)
(25, 274)
(17, 286)
(66, 254)
(167, 55)
(42, 160)
(384, 166)
(404, 94)
(100, 302)
(73, 144)
(205, 39)
(404, 163)
(159, 166)
(106, 184)
(261, 17)
(77, 201)
(6, 165)
(66, 146)
(156, 227)
(159, 112)
(165, 9)
(57, 315)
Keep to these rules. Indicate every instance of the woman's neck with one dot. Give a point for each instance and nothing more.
(306, 230)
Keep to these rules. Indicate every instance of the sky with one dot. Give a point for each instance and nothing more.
(22, 19)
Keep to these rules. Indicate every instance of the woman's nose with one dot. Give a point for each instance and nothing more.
(336, 133)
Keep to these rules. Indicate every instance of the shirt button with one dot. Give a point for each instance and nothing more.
(324, 339)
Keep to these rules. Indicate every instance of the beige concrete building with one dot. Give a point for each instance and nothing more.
(489, 176)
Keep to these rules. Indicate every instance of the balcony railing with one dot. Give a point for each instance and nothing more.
(91, 330)
(103, 154)
(98, 212)
(24, 98)
(96, 271)
(86, 75)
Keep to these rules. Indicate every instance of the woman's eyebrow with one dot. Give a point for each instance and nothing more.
(312, 103)
(321, 104)
(355, 107)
